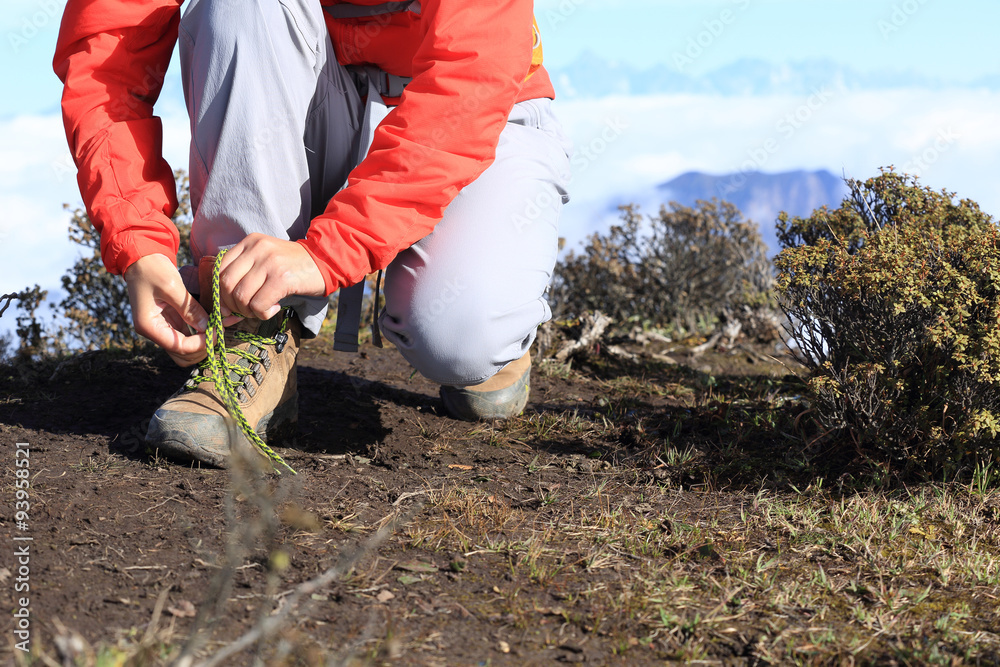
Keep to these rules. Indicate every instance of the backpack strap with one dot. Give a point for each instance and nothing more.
(346, 10)
(345, 336)
(372, 77)
(349, 301)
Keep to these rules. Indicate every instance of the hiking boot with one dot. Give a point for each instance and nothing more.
(194, 424)
(503, 395)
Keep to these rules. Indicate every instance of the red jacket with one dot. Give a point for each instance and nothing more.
(470, 63)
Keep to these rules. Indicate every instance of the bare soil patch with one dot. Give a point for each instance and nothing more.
(636, 514)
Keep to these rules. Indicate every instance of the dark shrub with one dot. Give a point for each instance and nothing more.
(34, 342)
(95, 312)
(894, 303)
(686, 269)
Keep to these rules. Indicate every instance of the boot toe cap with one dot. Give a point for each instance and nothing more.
(189, 436)
(470, 405)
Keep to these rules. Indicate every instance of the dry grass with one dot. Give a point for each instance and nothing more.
(675, 517)
(911, 575)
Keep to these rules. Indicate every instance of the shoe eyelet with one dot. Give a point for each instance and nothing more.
(249, 388)
(280, 340)
(265, 359)
(258, 373)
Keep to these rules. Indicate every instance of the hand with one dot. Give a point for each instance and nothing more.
(162, 309)
(261, 270)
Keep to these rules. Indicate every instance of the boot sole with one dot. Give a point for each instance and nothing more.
(485, 406)
(206, 438)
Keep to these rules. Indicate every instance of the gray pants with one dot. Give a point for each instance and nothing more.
(276, 127)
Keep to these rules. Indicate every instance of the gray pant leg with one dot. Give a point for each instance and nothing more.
(274, 123)
(466, 300)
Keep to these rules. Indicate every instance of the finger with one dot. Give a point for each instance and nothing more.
(181, 361)
(176, 321)
(189, 346)
(228, 305)
(174, 342)
(265, 301)
(184, 356)
(231, 282)
(176, 308)
(171, 297)
(234, 253)
(228, 278)
(162, 307)
(250, 293)
(188, 308)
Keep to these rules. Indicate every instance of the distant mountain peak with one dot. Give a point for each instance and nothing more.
(759, 196)
(726, 185)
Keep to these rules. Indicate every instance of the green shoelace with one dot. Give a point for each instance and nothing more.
(221, 370)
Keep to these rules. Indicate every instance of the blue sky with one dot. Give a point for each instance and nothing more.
(665, 135)
(943, 39)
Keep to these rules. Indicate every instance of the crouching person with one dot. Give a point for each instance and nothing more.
(329, 140)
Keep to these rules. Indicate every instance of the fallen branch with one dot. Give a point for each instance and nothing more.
(250, 484)
(621, 353)
(699, 350)
(8, 297)
(732, 331)
(409, 494)
(646, 337)
(594, 325)
(766, 358)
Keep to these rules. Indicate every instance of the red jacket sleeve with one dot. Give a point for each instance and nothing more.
(112, 56)
(467, 74)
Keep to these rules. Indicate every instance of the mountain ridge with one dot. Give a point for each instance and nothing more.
(760, 197)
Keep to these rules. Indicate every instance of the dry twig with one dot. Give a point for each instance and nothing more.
(270, 625)
(594, 326)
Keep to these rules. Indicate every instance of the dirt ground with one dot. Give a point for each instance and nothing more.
(113, 528)
(529, 542)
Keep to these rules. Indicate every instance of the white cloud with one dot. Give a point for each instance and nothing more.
(642, 141)
(33, 245)
(951, 138)
(661, 166)
(37, 177)
(35, 182)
